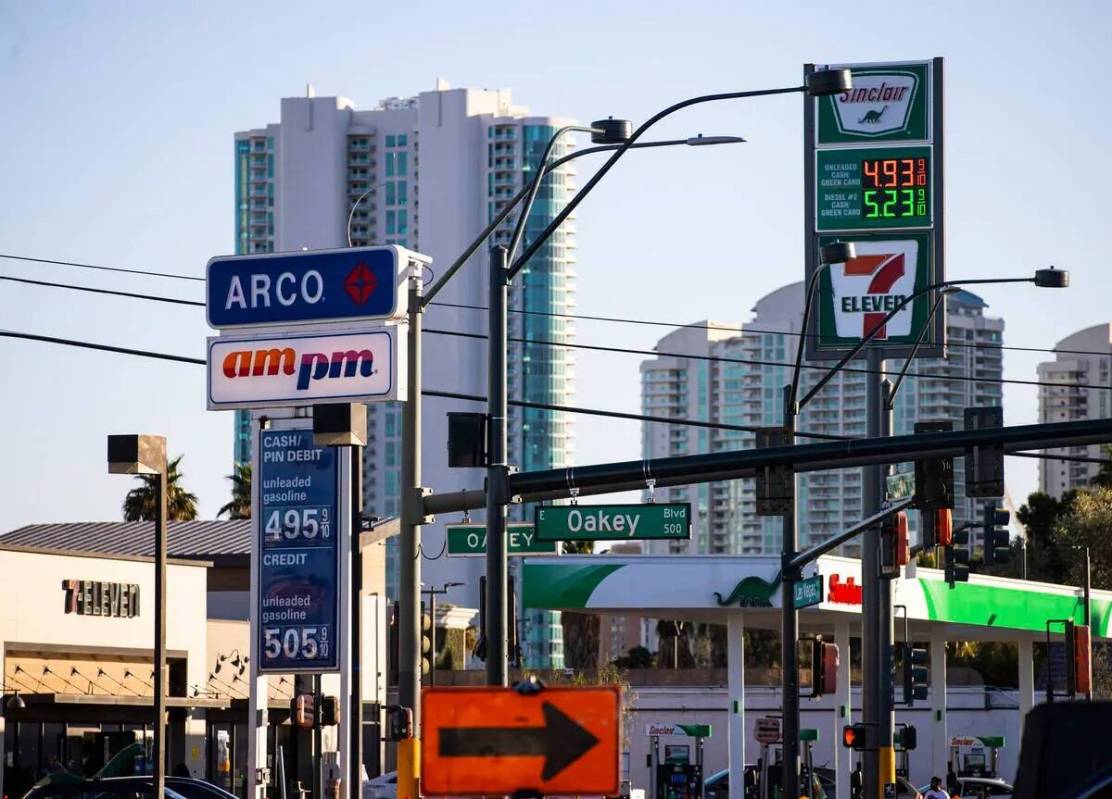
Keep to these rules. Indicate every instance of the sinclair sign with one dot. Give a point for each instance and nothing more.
(874, 177)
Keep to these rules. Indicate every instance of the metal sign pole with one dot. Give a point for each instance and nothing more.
(497, 472)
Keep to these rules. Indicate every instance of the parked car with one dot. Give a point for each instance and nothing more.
(980, 788)
(717, 785)
(107, 788)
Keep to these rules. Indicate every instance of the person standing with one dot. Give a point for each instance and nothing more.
(936, 791)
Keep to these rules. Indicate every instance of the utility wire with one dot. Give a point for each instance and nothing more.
(478, 398)
(584, 317)
(620, 350)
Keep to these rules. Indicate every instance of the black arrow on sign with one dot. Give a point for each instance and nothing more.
(561, 741)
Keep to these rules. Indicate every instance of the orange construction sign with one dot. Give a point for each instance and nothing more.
(498, 741)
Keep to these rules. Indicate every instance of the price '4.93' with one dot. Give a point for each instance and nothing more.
(294, 524)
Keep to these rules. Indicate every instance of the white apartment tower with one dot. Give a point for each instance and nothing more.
(1082, 376)
(428, 172)
(737, 376)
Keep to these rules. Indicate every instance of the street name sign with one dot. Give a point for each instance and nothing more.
(497, 741)
(655, 520)
(808, 592)
(873, 176)
(315, 286)
(469, 540)
(300, 370)
(299, 565)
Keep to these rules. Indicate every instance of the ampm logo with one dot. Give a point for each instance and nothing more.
(248, 373)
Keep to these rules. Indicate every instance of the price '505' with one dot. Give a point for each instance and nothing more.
(291, 524)
(294, 643)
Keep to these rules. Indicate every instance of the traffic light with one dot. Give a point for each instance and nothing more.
(399, 723)
(997, 539)
(1078, 635)
(934, 479)
(824, 667)
(907, 737)
(957, 558)
(915, 674)
(984, 465)
(944, 527)
(853, 736)
(329, 711)
(428, 649)
(303, 711)
(896, 550)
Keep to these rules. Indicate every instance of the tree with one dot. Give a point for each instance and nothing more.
(140, 504)
(581, 630)
(1086, 524)
(1103, 477)
(638, 658)
(1047, 561)
(240, 506)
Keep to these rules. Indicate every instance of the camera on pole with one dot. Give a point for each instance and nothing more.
(997, 538)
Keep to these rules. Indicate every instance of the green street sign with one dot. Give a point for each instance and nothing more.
(866, 189)
(808, 592)
(469, 540)
(888, 102)
(614, 522)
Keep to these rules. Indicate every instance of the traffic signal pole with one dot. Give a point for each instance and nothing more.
(886, 717)
(789, 630)
(870, 571)
(497, 494)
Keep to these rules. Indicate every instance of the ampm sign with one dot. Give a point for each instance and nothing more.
(311, 287)
(303, 370)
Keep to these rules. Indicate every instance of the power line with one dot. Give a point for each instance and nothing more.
(584, 317)
(620, 350)
(754, 362)
(478, 398)
(100, 268)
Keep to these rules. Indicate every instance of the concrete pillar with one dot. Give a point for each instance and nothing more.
(735, 684)
(843, 701)
(1026, 678)
(936, 731)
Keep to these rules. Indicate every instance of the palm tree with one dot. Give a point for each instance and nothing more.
(240, 506)
(581, 630)
(140, 502)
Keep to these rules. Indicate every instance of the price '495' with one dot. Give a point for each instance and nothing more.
(290, 524)
(295, 643)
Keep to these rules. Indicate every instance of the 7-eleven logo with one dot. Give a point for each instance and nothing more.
(869, 287)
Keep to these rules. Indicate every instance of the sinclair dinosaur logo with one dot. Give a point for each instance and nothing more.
(872, 285)
(879, 103)
(750, 592)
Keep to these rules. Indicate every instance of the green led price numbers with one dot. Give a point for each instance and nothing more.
(306, 643)
(294, 524)
(894, 188)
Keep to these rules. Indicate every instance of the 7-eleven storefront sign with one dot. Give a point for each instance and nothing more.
(856, 296)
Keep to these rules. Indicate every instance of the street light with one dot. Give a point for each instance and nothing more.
(354, 205)
(146, 454)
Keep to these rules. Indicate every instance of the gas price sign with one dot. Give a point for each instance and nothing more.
(886, 187)
(298, 610)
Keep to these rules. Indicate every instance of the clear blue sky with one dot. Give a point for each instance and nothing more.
(117, 144)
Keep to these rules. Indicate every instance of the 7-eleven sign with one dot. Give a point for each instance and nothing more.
(857, 295)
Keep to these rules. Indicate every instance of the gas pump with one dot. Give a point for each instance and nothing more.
(975, 755)
(677, 776)
(770, 768)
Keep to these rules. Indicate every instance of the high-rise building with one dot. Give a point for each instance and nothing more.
(428, 172)
(1080, 360)
(737, 377)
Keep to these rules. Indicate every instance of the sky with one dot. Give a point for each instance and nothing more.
(117, 150)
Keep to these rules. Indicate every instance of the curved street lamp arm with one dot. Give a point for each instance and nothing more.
(542, 169)
(808, 301)
(474, 245)
(354, 205)
(914, 350)
(849, 356)
(537, 243)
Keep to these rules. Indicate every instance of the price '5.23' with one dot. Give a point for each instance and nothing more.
(298, 524)
(295, 643)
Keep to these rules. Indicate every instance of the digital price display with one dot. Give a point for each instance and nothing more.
(887, 187)
(298, 600)
(892, 188)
